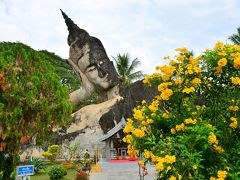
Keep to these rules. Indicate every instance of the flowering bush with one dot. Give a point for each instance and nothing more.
(191, 129)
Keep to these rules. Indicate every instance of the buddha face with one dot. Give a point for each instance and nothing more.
(91, 58)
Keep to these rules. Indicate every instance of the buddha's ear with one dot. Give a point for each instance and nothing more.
(74, 31)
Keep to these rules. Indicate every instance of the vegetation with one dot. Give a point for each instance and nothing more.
(69, 151)
(32, 101)
(71, 174)
(125, 68)
(235, 38)
(38, 165)
(52, 153)
(57, 172)
(191, 129)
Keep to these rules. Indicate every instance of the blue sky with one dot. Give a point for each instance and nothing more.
(147, 29)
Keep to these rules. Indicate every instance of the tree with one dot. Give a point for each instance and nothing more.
(125, 68)
(32, 101)
(235, 38)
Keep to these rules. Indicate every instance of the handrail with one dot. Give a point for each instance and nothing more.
(114, 130)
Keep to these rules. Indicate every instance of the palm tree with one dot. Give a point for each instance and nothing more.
(235, 38)
(125, 68)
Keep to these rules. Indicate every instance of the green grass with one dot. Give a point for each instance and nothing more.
(71, 174)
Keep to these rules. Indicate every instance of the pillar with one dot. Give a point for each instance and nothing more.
(108, 149)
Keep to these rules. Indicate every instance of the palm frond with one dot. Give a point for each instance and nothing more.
(136, 75)
(125, 68)
(235, 38)
(135, 63)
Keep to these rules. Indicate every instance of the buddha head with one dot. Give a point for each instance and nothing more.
(88, 53)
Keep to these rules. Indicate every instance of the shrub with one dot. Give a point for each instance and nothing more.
(57, 172)
(38, 165)
(191, 129)
(52, 153)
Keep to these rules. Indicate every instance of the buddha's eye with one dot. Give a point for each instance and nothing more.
(91, 68)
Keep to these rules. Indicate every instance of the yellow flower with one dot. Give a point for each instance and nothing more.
(219, 149)
(180, 127)
(197, 69)
(183, 50)
(147, 154)
(188, 90)
(140, 163)
(173, 131)
(127, 128)
(153, 106)
(212, 139)
(222, 62)
(180, 58)
(196, 81)
(194, 166)
(189, 71)
(234, 123)
(157, 68)
(178, 81)
(235, 80)
(138, 133)
(170, 159)
(179, 176)
(166, 94)
(219, 70)
(166, 115)
(209, 125)
(222, 53)
(189, 66)
(168, 70)
(159, 166)
(233, 108)
(165, 77)
(144, 128)
(138, 114)
(172, 178)
(163, 86)
(146, 80)
(168, 168)
(149, 121)
(144, 123)
(233, 119)
(129, 121)
(236, 63)
(190, 121)
(218, 45)
(222, 174)
(213, 178)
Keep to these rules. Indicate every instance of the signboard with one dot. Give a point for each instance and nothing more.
(25, 170)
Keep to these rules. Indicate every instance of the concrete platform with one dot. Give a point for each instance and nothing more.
(122, 171)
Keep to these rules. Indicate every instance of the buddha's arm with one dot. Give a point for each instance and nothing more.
(90, 115)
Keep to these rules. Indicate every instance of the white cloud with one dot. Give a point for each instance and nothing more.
(147, 29)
